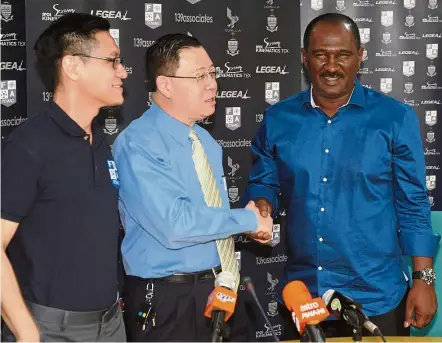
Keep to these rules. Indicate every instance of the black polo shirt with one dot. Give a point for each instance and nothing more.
(58, 186)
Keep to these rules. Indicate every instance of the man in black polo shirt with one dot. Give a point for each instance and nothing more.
(59, 196)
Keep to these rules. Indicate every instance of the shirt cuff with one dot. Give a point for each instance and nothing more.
(419, 243)
(261, 191)
(11, 217)
(246, 220)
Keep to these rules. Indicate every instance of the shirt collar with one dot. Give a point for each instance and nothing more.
(174, 127)
(69, 126)
(357, 96)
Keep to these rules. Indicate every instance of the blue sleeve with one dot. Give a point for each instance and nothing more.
(157, 200)
(263, 180)
(412, 205)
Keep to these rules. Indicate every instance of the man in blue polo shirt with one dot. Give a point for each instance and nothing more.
(349, 164)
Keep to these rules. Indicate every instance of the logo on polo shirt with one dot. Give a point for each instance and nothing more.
(113, 173)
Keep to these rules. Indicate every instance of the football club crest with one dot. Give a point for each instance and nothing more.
(193, 2)
(432, 4)
(409, 4)
(233, 194)
(432, 51)
(340, 5)
(8, 92)
(431, 70)
(153, 17)
(365, 55)
(317, 5)
(386, 85)
(365, 35)
(431, 117)
(430, 137)
(387, 18)
(409, 20)
(408, 68)
(233, 118)
(232, 47)
(431, 182)
(408, 88)
(6, 11)
(272, 23)
(110, 125)
(386, 37)
(272, 92)
(276, 235)
(273, 308)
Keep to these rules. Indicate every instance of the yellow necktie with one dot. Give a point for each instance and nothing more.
(225, 246)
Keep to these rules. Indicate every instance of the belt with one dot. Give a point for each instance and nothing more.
(65, 318)
(183, 277)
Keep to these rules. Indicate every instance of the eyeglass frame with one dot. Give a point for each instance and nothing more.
(204, 76)
(114, 60)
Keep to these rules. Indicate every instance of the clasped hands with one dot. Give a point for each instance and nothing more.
(262, 210)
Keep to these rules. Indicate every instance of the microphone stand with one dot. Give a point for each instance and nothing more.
(221, 330)
(313, 333)
(357, 334)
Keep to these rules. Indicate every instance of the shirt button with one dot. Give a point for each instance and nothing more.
(319, 268)
(86, 137)
(327, 151)
(322, 209)
(329, 121)
(321, 239)
(324, 179)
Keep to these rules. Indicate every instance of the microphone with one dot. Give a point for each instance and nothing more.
(249, 287)
(343, 307)
(306, 312)
(221, 304)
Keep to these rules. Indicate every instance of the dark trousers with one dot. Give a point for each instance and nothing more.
(390, 324)
(57, 325)
(179, 312)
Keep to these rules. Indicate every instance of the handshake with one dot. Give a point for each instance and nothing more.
(262, 210)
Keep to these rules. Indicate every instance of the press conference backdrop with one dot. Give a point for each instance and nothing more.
(256, 46)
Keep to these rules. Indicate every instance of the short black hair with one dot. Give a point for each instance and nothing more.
(69, 34)
(332, 18)
(162, 57)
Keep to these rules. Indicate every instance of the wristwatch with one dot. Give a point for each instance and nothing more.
(428, 275)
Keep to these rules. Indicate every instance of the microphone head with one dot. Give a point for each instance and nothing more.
(327, 296)
(247, 280)
(294, 293)
(226, 280)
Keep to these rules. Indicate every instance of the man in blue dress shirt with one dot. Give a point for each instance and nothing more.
(349, 164)
(170, 247)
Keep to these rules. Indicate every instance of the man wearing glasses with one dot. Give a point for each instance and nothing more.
(174, 205)
(60, 224)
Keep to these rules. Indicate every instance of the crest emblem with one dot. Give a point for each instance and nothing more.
(153, 17)
(272, 23)
(233, 118)
(408, 68)
(431, 70)
(409, 20)
(193, 2)
(432, 4)
(238, 259)
(386, 37)
(272, 92)
(365, 35)
(409, 4)
(387, 18)
(110, 125)
(276, 235)
(430, 137)
(317, 5)
(232, 47)
(432, 51)
(365, 55)
(273, 308)
(431, 200)
(431, 182)
(431, 117)
(8, 92)
(6, 11)
(408, 88)
(340, 5)
(233, 194)
(386, 85)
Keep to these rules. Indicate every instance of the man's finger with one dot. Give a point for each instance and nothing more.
(263, 209)
(409, 309)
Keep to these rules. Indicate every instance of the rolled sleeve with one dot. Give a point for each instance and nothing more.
(255, 190)
(419, 243)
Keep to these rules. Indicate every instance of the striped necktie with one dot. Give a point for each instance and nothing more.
(225, 246)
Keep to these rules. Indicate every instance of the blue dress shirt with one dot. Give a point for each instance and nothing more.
(354, 189)
(168, 227)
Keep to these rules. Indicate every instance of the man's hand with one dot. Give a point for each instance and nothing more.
(265, 225)
(265, 209)
(421, 305)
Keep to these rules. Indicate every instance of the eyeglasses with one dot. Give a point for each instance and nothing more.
(116, 61)
(211, 74)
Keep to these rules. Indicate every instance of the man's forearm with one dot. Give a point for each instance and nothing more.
(14, 311)
(420, 263)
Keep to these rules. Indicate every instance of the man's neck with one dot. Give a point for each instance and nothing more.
(77, 109)
(330, 105)
(166, 106)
